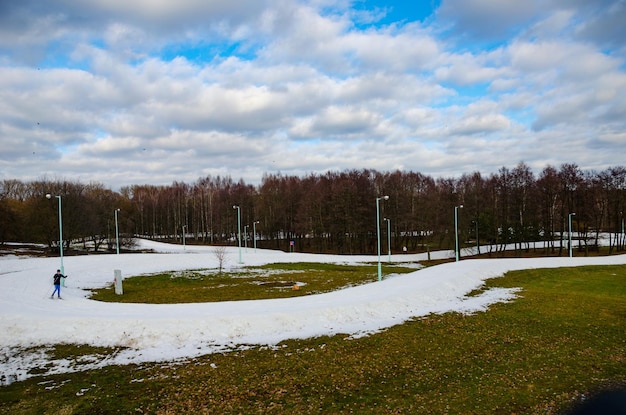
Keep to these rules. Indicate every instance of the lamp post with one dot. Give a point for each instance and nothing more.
(254, 233)
(117, 235)
(569, 221)
(477, 238)
(378, 199)
(388, 237)
(49, 196)
(456, 231)
(184, 246)
(623, 235)
(238, 229)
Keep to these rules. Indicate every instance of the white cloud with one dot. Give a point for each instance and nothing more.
(489, 18)
(300, 80)
(481, 124)
(392, 51)
(468, 69)
(337, 122)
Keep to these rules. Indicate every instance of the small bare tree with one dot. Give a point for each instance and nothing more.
(220, 254)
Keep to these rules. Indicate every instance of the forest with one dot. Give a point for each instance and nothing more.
(333, 212)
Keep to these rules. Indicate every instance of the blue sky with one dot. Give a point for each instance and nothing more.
(397, 12)
(154, 91)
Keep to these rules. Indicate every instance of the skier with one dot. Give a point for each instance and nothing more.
(57, 283)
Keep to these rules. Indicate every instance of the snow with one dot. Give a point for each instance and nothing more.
(30, 322)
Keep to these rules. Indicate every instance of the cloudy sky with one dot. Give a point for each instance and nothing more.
(154, 91)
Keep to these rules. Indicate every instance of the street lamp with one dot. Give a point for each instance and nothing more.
(388, 237)
(477, 238)
(456, 231)
(49, 196)
(569, 220)
(238, 229)
(378, 199)
(184, 246)
(117, 234)
(254, 233)
(623, 235)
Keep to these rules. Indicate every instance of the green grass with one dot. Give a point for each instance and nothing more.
(562, 338)
(248, 283)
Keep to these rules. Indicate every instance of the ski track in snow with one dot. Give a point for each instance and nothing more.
(30, 322)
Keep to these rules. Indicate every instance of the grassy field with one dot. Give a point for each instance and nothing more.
(563, 339)
(247, 283)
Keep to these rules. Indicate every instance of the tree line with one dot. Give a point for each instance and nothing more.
(333, 212)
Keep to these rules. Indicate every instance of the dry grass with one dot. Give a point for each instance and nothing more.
(248, 283)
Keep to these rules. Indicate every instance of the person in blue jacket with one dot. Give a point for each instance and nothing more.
(57, 283)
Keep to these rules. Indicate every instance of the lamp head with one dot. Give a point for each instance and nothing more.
(48, 196)
(386, 197)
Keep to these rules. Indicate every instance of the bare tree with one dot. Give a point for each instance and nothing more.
(221, 256)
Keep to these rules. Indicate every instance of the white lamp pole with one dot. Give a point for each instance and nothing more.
(238, 229)
(254, 233)
(623, 235)
(378, 199)
(184, 242)
(569, 220)
(49, 196)
(388, 238)
(456, 231)
(477, 238)
(117, 234)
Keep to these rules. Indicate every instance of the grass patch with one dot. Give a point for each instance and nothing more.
(564, 337)
(247, 283)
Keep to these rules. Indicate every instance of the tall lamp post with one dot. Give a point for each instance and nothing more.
(117, 235)
(49, 196)
(388, 237)
(184, 242)
(378, 199)
(254, 233)
(238, 229)
(623, 235)
(477, 238)
(569, 221)
(456, 231)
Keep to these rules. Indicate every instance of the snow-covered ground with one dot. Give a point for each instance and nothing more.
(30, 321)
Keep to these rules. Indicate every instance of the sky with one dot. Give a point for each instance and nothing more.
(154, 91)
(30, 321)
